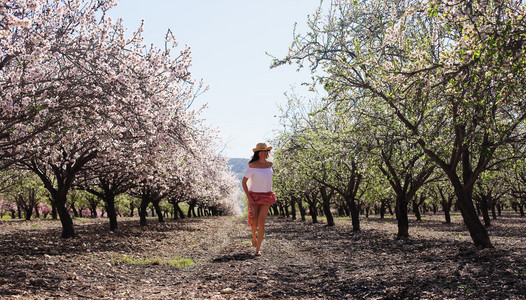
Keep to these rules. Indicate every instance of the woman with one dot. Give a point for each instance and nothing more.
(257, 184)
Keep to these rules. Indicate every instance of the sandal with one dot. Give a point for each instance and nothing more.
(258, 253)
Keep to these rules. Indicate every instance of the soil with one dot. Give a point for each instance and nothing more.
(300, 260)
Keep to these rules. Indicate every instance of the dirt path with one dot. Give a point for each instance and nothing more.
(300, 261)
(284, 270)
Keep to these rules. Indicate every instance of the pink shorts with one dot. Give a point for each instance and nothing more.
(267, 198)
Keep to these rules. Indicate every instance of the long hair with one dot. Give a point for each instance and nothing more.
(255, 157)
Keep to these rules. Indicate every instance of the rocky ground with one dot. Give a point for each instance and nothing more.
(212, 258)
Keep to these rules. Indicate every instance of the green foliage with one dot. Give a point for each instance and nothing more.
(420, 85)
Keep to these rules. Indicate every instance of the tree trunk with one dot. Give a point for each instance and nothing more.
(179, 210)
(416, 211)
(75, 212)
(327, 212)
(158, 211)
(341, 210)
(302, 209)
(132, 208)
(29, 213)
(31, 199)
(110, 210)
(355, 214)
(382, 210)
(494, 211)
(59, 198)
(327, 205)
(143, 210)
(401, 214)
(67, 223)
(484, 209)
(274, 209)
(175, 213)
(93, 211)
(346, 210)
(313, 213)
(447, 213)
(478, 232)
(189, 213)
(53, 209)
(446, 202)
(293, 208)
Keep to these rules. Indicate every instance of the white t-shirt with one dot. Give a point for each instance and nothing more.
(259, 180)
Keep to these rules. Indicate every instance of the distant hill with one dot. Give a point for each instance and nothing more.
(239, 165)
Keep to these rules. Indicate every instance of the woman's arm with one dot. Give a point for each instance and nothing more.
(245, 188)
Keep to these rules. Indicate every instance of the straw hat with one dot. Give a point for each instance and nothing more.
(261, 147)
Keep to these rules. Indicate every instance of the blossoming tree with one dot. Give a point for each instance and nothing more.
(452, 72)
(93, 96)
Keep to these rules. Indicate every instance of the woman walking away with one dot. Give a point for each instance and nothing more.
(257, 184)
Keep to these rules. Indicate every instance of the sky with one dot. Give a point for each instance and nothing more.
(229, 41)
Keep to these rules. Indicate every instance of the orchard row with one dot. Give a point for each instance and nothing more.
(425, 105)
(85, 105)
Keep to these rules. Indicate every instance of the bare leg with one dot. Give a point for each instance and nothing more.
(261, 217)
(255, 213)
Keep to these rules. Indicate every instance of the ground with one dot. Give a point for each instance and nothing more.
(300, 260)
